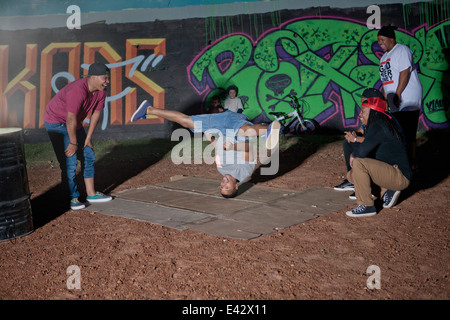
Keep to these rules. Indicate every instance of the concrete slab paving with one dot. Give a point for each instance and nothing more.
(225, 228)
(196, 204)
(150, 212)
(267, 219)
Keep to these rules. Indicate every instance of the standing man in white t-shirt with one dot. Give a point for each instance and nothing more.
(401, 86)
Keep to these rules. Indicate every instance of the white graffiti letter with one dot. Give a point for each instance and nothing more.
(74, 21)
(74, 281)
(373, 22)
(374, 281)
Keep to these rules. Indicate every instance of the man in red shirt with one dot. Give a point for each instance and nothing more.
(63, 119)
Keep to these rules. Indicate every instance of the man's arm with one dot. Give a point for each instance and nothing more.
(92, 125)
(71, 125)
(247, 154)
(403, 80)
(371, 142)
(243, 146)
(211, 139)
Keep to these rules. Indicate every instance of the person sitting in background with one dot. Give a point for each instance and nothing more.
(215, 105)
(233, 102)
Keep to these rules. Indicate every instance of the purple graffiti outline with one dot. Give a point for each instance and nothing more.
(207, 80)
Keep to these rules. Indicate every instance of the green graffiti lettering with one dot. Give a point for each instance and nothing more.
(325, 62)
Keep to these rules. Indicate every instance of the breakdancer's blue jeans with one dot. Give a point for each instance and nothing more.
(60, 140)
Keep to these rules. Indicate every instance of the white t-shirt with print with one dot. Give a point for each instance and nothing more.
(391, 64)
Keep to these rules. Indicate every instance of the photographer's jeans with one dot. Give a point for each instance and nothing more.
(60, 140)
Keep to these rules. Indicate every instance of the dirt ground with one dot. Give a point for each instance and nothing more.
(325, 258)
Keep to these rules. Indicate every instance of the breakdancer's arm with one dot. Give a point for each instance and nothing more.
(247, 154)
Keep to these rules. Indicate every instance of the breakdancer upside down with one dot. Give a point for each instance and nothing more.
(234, 157)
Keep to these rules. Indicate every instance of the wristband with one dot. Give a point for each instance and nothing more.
(74, 144)
(355, 139)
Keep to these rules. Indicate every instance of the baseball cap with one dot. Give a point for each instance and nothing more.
(98, 69)
(376, 104)
(371, 93)
(387, 31)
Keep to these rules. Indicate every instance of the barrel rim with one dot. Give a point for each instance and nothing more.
(9, 130)
(17, 237)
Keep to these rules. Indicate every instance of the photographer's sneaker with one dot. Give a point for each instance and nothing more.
(141, 112)
(98, 197)
(76, 205)
(272, 135)
(362, 211)
(390, 198)
(345, 186)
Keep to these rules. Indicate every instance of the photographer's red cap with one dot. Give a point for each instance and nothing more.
(376, 104)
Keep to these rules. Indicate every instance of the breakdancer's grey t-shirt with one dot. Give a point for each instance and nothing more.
(231, 162)
(225, 126)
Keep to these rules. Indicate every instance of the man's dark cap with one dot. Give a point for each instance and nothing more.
(98, 69)
(387, 31)
(371, 93)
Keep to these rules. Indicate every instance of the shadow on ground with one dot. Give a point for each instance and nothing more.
(432, 159)
(135, 157)
(295, 152)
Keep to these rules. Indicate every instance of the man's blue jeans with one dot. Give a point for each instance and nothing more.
(60, 140)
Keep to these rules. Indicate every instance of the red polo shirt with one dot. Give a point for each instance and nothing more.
(76, 98)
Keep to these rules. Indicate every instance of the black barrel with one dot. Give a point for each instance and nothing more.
(15, 207)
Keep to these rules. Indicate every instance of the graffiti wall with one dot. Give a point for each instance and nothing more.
(325, 61)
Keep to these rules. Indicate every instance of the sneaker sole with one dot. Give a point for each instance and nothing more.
(78, 207)
(98, 200)
(351, 214)
(393, 200)
(138, 110)
(273, 139)
(345, 189)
